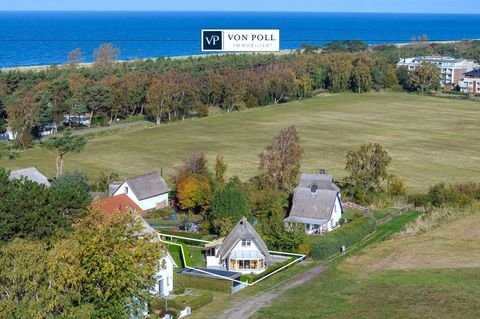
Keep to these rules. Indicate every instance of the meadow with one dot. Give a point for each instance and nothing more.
(431, 275)
(430, 139)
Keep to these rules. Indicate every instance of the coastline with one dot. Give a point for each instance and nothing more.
(37, 68)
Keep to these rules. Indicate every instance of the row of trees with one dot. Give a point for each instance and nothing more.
(167, 89)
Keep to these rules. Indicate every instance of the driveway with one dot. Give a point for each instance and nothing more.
(247, 307)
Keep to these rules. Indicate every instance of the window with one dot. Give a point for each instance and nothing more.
(126, 189)
(246, 243)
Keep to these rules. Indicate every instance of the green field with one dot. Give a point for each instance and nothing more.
(431, 275)
(430, 139)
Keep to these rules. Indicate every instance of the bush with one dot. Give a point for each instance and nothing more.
(202, 283)
(306, 249)
(194, 303)
(252, 278)
(326, 245)
(161, 213)
(454, 195)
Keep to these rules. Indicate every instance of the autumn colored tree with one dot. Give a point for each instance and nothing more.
(194, 192)
(75, 57)
(391, 80)
(234, 91)
(340, 72)
(281, 82)
(105, 54)
(361, 76)
(425, 78)
(64, 145)
(280, 161)
(159, 98)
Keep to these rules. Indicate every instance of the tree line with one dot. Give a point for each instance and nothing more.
(175, 89)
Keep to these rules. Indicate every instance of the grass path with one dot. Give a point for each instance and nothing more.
(427, 137)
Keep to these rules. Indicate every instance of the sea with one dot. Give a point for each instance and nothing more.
(45, 38)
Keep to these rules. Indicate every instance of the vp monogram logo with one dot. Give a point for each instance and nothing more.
(212, 40)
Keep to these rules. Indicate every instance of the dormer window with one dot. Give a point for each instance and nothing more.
(246, 243)
(126, 189)
(314, 188)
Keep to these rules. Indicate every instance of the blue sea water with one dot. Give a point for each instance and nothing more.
(44, 38)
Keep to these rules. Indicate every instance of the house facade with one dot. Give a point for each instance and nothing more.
(316, 204)
(242, 250)
(451, 69)
(471, 82)
(149, 191)
(164, 276)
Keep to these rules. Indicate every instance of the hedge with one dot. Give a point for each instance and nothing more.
(202, 283)
(252, 278)
(194, 303)
(348, 234)
(188, 235)
(176, 253)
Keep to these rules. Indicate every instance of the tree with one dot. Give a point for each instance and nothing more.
(71, 193)
(106, 177)
(64, 145)
(22, 110)
(105, 54)
(95, 98)
(41, 283)
(159, 99)
(75, 57)
(27, 210)
(425, 78)
(280, 161)
(119, 265)
(340, 72)
(220, 169)
(228, 203)
(361, 76)
(391, 80)
(194, 192)
(367, 168)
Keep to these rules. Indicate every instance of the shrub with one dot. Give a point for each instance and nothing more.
(455, 195)
(202, 283)
(194, 303)
(161, 213)
(305, 248)
(326, 245)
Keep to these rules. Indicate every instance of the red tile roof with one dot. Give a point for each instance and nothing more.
(120, 203)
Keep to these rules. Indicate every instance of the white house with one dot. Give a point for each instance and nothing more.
(166, 265)
(149, 191)
(243, 251)
(316, 204)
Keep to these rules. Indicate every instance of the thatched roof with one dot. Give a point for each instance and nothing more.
(32, 174)
(314, 197)
(243, 230)
(148, 185)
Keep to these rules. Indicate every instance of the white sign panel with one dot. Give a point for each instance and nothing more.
(241, 40)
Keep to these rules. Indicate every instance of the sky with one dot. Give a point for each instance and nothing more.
(410, 6)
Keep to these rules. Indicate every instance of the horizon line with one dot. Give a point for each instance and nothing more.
(233, 11)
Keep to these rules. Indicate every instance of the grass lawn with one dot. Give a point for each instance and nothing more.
(427, 138)
(432, 275)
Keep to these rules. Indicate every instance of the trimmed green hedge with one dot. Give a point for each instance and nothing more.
(194, 302)
(188, 235)
(252, 278)
(202, 283)
(176, 253)
(348, 234)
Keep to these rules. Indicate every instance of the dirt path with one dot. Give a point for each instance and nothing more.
(247, 307)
